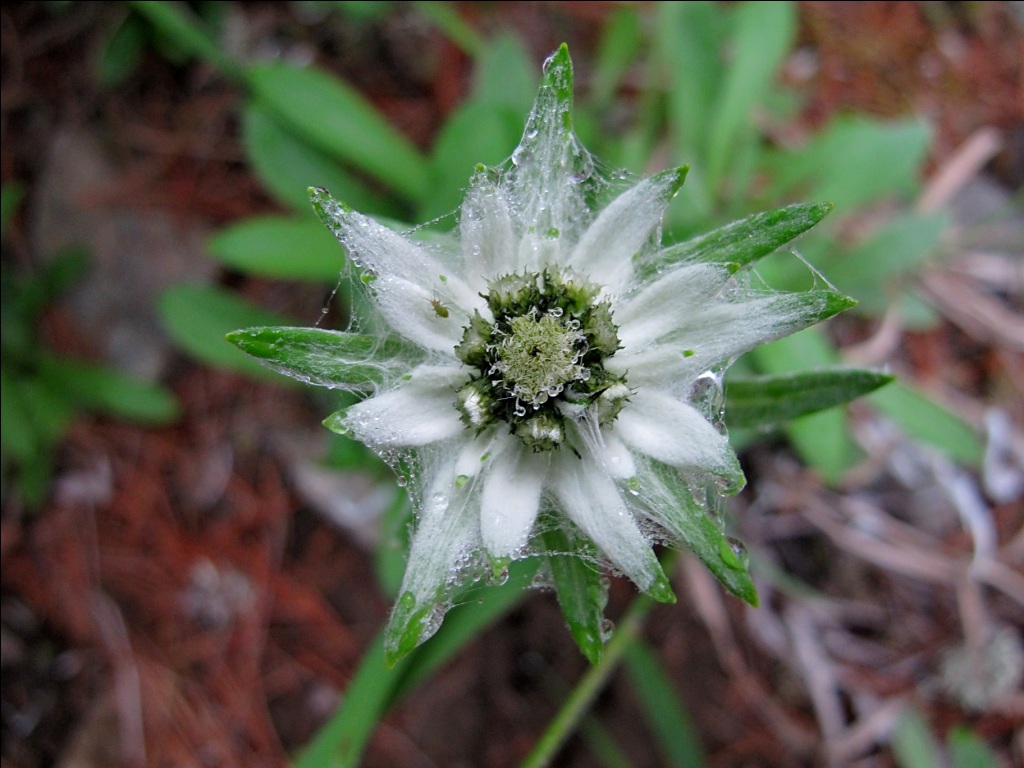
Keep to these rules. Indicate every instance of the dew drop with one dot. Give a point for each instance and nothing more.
(520, 155)
(402, 481)
(607, 629)
(734, 553)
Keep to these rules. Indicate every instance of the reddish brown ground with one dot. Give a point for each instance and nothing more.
(193, 611)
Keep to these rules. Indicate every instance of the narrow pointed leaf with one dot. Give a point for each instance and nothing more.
(764, 33)
(288, 165)
(747, 240)
(477, 608)
(182, 27)
(822, 439)
(326, 358)
(925, 420)
(582, 593)
(341, 122)
(761, 400)
(455, 28)
(620, 44)
(106, 390)
(376, 686)
(558, 80)
(689, 521)
(676, 735)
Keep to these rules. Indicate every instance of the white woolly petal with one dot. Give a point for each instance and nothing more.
(511, 496)
(447, 529)
(413, 290)
(717, 334)
(605, 251)
(611, 454)
(591, 500)
(673, 432)
(667, 304)
(420, 411)
(536, 253)
(474, 454)
(489, 245)
(616, 457)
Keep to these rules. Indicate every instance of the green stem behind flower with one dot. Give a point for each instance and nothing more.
(591, 684)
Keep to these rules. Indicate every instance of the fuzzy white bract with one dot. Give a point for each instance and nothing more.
(551, 368)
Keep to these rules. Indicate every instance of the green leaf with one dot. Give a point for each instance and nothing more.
(676, 735)
(11, 195)
(581, 589)
(341, 122)
(105, 390)
(326, 358)
(968, 750)
(762, 400)
(17, 433)
(856, 160)
(288, 165)
(689, 521)
(276, 246)
(556, 82)
(120, 57)
(913, 744)
(900, 246)
(747, 240)
(188, 33)
(925, 420)
(475, 133)
(477, 608)
(621, 40)
(822, 439)
(687, 40)
(506, 76)
(376, 686)
(764, 33)
(342, 739)
(447, 19)
(362, 11)
(197, 317)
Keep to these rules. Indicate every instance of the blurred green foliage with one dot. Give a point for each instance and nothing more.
(692, 83)
(42, 392)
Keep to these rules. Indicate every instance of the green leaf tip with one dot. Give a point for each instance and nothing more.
(321, 199)
(558, 79)
(676, 177)
(746, 240)
(405, 630)
(661, 589)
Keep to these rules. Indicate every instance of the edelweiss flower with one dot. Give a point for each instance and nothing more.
(553, 370)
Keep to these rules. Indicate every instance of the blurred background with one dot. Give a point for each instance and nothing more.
(193, 568)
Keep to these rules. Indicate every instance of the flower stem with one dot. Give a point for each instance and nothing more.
(594, 680)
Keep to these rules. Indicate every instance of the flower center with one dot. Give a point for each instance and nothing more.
(540, 355)
(541, 358)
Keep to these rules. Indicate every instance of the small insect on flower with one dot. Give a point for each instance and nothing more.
(439, 309)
